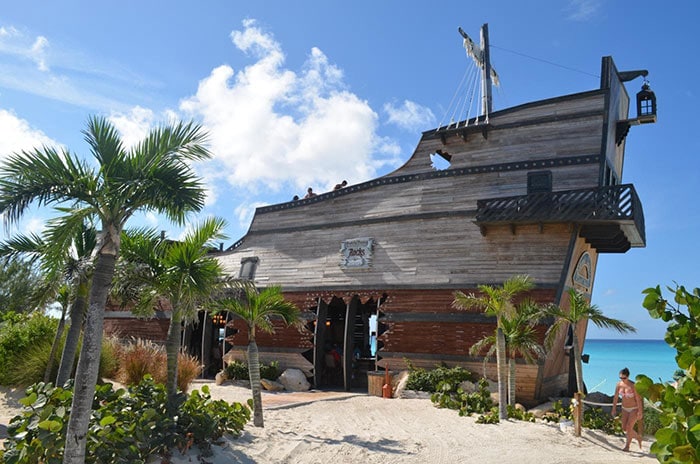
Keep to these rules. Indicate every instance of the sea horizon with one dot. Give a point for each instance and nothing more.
(651, 357)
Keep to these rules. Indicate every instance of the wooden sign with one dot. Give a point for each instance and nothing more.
(356, 253)
(582, 274)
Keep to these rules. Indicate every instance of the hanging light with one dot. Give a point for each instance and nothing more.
(646, 104)
(218, 319)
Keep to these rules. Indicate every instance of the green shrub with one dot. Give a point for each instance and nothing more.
(428, 381)
(652, 421)
(125, 427)
(270, 371)
(18, 334)
(678, 439)
(450, 395)
(238, 370)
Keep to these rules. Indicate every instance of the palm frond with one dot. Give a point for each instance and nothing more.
(105, 142)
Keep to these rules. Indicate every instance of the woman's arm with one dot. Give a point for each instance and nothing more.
(614, 407)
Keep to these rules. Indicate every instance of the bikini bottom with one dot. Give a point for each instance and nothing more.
(629, 409)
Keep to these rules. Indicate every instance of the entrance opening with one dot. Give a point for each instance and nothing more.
(343, 342)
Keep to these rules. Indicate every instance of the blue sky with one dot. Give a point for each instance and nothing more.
(299, 94)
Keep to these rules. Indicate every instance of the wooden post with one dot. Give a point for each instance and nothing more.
(487, 105)
(578, 413)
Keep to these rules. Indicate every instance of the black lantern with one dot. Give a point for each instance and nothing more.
(646, 104)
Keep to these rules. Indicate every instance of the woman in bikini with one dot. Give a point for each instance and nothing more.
(632, 408)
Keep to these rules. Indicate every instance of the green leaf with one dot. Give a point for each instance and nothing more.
(684, 453)
(28, 400)
(108, 420)
(50, 425)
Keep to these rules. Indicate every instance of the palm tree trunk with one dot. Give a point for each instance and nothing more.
(205, 364)
(54, 345)
(77, 314)
(172, 349)
(89, 361)
(511, 381)
(501, 367)
(254, 375)
(577, 361)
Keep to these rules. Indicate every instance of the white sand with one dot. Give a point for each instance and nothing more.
(338, 428)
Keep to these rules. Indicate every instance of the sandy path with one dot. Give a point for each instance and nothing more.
(339, 428)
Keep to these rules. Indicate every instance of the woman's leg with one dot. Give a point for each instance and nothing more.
(628, 426)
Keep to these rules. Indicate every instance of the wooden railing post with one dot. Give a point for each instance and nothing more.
(578, 413)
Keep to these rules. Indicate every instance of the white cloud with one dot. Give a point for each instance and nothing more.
(37, 52)
(134, 125)
(245, 211)
(410, 116)
(271, 126)
(85, 81)
(17, 135)
(34, 225)
(583, 10)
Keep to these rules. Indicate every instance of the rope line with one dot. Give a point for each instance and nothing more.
(546, 61)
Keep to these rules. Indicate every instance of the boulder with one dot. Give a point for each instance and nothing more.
(220, 378)
(294, 380)
(415, 394)
(541, 410)
(468, 387)
(271, 385)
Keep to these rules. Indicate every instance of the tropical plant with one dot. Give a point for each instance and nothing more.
(579, 311)
(65, 259)
(153, 175)
(521, 340)
(128, 425)
(18, 334)
(678, 438)
(420, 379)
(498, 302)
(140, 358)
(257, 308)
(180, 272)
(18, 279)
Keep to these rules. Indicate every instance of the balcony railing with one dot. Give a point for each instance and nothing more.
(600, 210)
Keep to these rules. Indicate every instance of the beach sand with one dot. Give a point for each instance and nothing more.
(340, 427)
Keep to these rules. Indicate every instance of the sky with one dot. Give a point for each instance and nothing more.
(298, 94)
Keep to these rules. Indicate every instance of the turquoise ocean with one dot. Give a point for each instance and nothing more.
(653, 358)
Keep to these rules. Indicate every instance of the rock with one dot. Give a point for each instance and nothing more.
(400, 380)
(241, 383)
(414, 394)
(541, 410)
(495, 398)
(468, 387)
(220, 378)
(600, 399)
(271, 385)
(520, 407)
(294, 380)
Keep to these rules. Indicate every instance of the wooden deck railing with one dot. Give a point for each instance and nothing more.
(610, 204)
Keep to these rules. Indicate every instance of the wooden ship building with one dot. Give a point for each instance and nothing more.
(535, 189)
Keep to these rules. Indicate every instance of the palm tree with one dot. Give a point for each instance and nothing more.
(257, 309)
(67, 269)
(499, 303)
(180, 272)
(153, 175)
(521, 340)
(579, 311)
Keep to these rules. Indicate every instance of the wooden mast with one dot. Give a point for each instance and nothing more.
(487, 104)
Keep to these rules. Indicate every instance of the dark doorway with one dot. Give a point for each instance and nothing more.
(342, 350)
